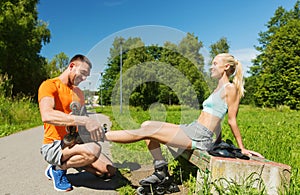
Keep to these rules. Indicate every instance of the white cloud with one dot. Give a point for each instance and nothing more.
(245, 56)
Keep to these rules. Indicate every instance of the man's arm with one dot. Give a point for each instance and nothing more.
(58, 118)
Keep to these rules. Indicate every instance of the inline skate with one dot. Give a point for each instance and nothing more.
(160, 182)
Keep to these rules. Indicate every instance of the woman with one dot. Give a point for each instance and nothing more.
(199, 134)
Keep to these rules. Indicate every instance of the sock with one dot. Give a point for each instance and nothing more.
(56, 167)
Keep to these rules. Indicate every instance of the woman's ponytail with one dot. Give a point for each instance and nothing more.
(235, 70)
(238, 78)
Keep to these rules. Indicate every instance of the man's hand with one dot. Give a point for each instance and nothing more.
(95, 129)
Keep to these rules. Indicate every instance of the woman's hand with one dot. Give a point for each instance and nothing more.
(251, 153)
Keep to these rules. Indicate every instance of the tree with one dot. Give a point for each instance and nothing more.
(276, 69)
(250, 89)
(278, 83)
(51, 69)
(191, 64)
(220, 46)
(169, 74)
(61, 60)
(5, 86)
(57, 65)
(21, 39)
(189, 47)
(112, 71)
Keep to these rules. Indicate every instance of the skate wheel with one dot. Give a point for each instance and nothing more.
(160, 191)
(173, 188)
(140, 190)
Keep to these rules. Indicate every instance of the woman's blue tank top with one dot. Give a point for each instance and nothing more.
(215, 105)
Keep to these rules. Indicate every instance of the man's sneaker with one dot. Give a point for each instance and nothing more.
(60, 180)
(47, 172)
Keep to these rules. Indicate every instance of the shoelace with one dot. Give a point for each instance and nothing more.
(63, 177)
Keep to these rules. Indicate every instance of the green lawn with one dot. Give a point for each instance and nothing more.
(275, 133)
(272, 132)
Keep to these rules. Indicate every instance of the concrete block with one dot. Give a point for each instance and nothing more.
(273, 174)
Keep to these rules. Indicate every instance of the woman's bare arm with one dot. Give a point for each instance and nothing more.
(233, 101)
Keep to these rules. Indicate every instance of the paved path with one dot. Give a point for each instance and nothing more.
(22, 167)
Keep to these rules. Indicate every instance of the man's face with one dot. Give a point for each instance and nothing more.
(79, 72)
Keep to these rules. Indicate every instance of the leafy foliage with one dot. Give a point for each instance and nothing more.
(21, 38)
(276, 70)
(57, 65)
(221, 46)
(154, 73)
(12, 111)
(5, 85)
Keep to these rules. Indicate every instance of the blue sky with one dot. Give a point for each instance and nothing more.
(79, 26)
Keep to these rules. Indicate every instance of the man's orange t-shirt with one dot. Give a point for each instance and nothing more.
(63, 96)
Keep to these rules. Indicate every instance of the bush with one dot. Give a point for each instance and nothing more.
(18, 114)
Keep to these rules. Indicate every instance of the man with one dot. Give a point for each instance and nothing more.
(55, 97)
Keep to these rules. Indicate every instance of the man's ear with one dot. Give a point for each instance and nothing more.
(71, 65)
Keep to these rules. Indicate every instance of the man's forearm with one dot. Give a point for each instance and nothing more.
(59, 118)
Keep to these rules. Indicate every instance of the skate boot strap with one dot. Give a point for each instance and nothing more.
(155, 178)
(159, 176)
(159, 164)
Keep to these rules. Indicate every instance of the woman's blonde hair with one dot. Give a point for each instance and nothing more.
(235, 70)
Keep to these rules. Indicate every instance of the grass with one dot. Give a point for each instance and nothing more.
(274, 133)
(271, 132)
(227, 186)
(17, 115)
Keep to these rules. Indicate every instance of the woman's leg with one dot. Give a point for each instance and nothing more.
(160, 132)
(154, 133)
(155, 150)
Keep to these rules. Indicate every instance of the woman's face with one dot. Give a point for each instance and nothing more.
(217, 68)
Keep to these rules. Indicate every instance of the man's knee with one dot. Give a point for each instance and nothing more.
(92, 151)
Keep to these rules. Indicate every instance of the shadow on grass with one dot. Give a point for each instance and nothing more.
(132, 166)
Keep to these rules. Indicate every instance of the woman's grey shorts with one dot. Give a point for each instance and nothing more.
(52, 152)
(202, 138)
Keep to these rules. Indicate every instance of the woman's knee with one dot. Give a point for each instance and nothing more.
(146, 124)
